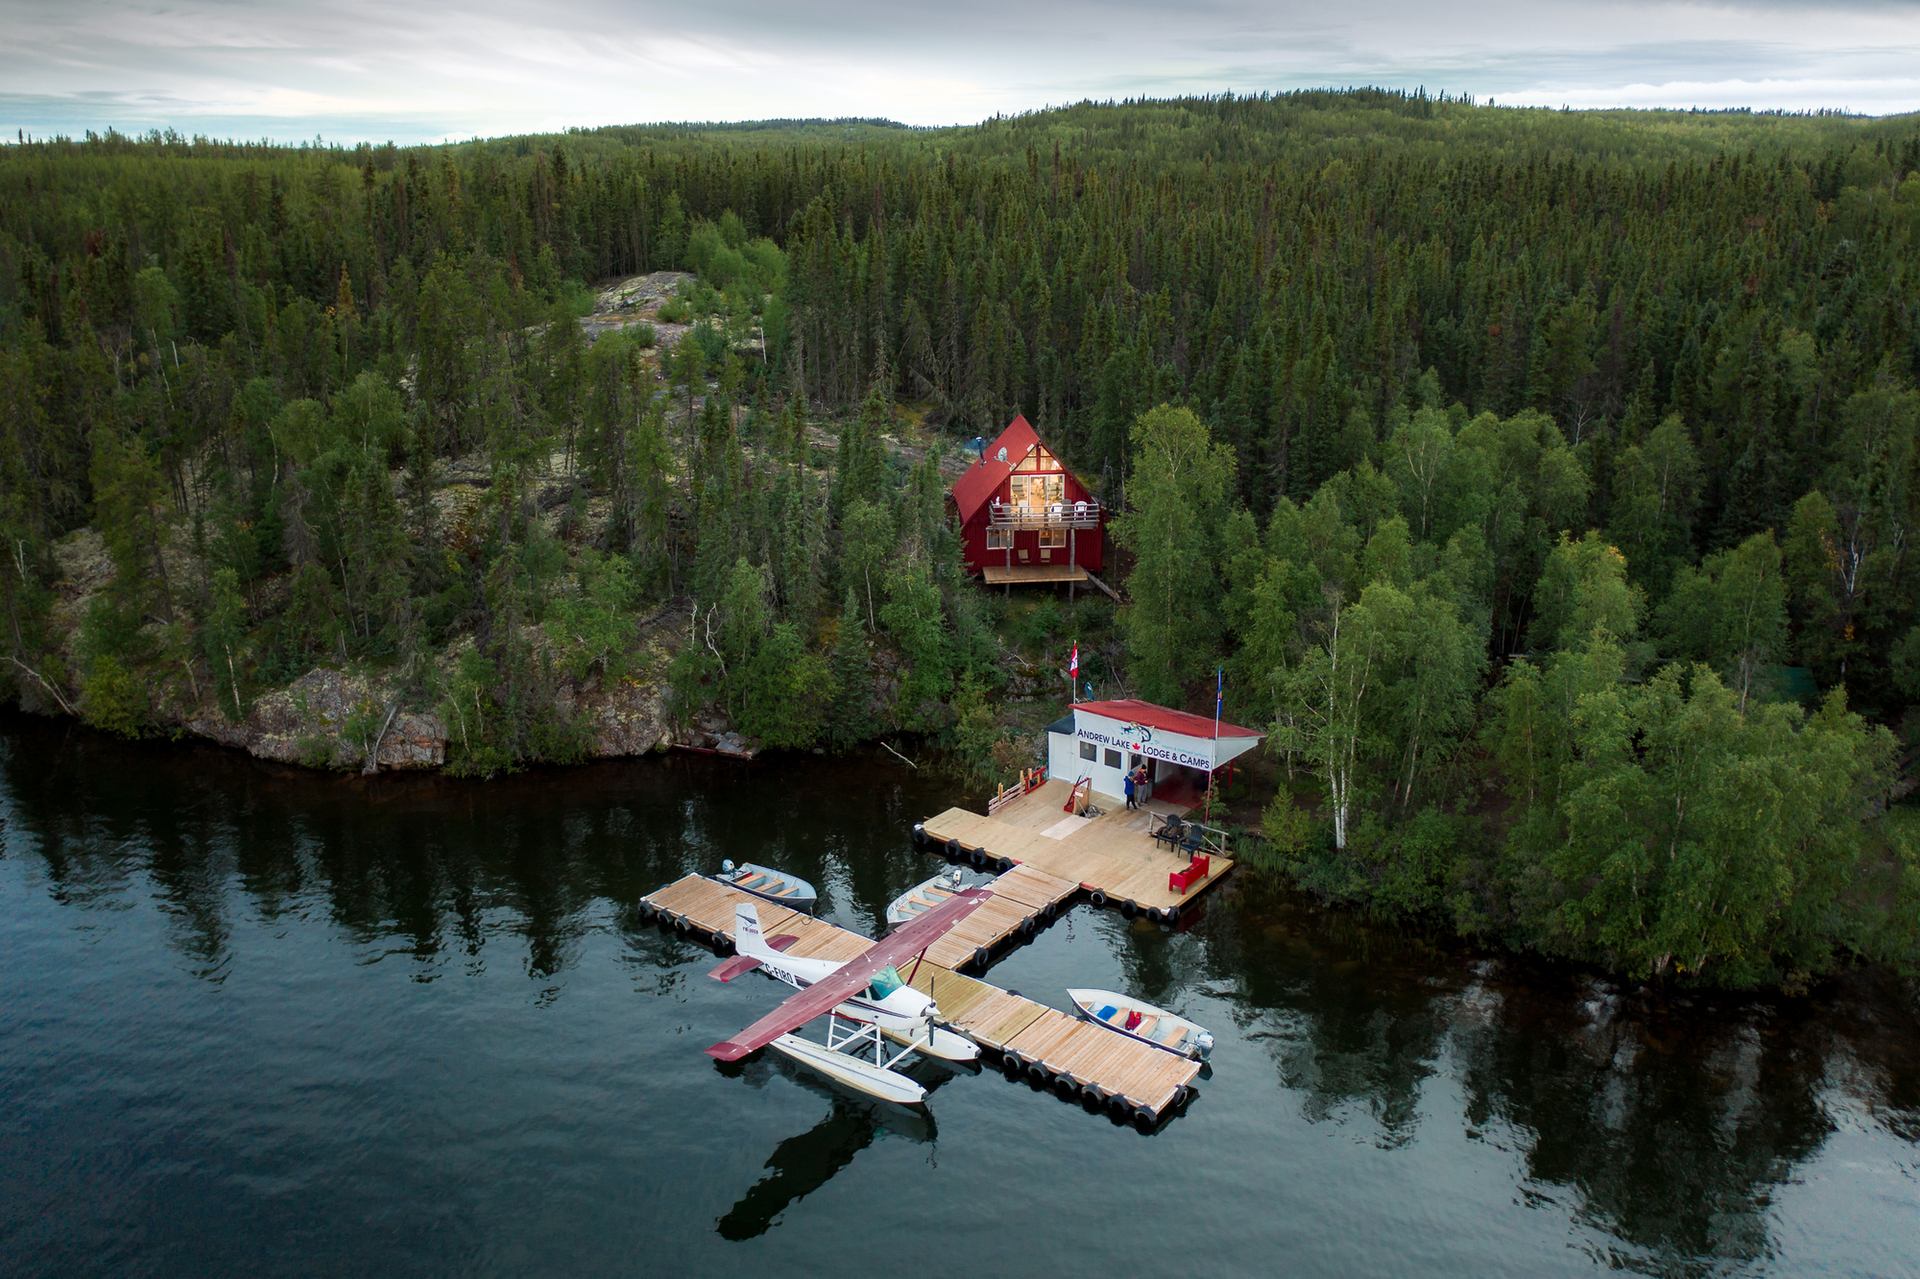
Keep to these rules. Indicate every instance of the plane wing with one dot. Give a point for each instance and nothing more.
(851, 977)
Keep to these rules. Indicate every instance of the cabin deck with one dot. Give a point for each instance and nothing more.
(1027, 574)
(1044, 1043)
(1111, 854)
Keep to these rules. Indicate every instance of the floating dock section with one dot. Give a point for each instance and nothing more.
(1024, 901)
(1112, 855)
(1076, 1058)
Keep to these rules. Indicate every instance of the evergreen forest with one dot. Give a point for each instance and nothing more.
(1546, 484)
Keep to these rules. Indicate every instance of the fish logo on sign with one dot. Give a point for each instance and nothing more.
(1141, 732)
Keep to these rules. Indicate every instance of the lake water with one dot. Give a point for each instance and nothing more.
(259, 1022)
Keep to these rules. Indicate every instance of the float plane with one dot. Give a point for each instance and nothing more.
(866, 1000)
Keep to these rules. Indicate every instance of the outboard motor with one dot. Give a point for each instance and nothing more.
(726, 866)
(1204, 1042)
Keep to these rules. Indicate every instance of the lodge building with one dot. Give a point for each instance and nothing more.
(1099, 743)
(1024, 517)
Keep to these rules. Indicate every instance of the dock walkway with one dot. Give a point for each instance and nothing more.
(1074, 1056)
(1113, 856)
(1024, 901)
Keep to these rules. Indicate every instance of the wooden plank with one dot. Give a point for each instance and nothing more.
(825, 941)
(1035, 888)
(709, 906)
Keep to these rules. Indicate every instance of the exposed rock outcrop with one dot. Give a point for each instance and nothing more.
(329, 719)
(627, 718)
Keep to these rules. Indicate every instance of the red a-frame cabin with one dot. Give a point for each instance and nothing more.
(1024, 517)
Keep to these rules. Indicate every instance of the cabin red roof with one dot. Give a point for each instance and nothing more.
(977, 485)
(1130, 710)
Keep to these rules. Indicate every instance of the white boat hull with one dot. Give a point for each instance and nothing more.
(1191, 1041)
(861, 1076)
(923, 897)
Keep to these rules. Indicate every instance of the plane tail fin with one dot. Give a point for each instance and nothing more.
(747, 938)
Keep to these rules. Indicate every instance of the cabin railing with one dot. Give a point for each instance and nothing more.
(1082, 514)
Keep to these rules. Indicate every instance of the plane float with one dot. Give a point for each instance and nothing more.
(867, 1002)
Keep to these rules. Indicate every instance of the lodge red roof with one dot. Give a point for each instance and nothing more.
(1130, 710)
(979, 482)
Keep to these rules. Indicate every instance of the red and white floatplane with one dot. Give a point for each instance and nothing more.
(868, 1003)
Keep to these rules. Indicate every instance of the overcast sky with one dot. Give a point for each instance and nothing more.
(354, 69)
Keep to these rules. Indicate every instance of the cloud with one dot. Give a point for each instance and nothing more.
(356, 69)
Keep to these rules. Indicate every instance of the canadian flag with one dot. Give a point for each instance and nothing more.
(1073, 663)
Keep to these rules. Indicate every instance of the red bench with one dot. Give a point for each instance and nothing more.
(1179, 881)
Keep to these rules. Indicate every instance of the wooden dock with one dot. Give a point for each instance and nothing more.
(1113, 856)
(1024, 901)
(1074, 1057)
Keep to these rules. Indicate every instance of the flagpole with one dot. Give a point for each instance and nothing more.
(1213, 750)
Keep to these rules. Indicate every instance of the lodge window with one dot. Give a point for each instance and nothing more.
(1052, 537)
(999, 539)
(1113, 758)
(1087, 750)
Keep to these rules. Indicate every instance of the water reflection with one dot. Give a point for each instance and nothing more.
(807, 1161)
(1667, 1128)
(1673, 1120)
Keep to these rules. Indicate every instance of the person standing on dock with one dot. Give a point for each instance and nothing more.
(1129, 789)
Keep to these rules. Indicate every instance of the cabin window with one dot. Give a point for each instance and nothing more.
(1038, 459)
(1088, 750)
(999, 539)
(1033, 494)
(1113, 758)
(1052, 538)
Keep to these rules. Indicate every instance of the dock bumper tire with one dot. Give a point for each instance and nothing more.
(1144, 1119)
(1028, 927)
(919, 835)
(1065, 1087)
(1129, 909)
(1010, 1066)
(1098, 898)
(683, 925)
(1036, 1072)
(955, 850)
(979, 858)
(981, 956)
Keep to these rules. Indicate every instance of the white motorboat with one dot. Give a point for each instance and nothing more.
(770, 885)
(921, 898)
(1137, 1019)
